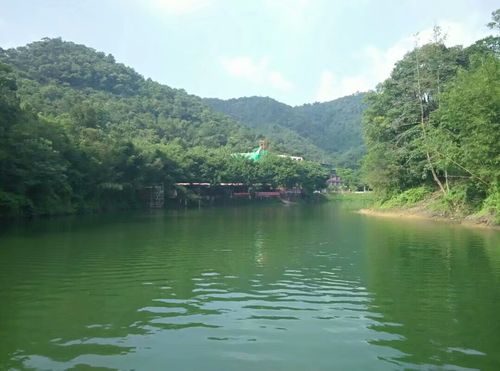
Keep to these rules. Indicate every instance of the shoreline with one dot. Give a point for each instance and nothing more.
(419, 215)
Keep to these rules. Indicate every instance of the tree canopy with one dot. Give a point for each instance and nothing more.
(80, 131)
(435, 122)
(329, 132)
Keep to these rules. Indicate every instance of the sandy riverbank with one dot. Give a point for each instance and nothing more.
(422, 215)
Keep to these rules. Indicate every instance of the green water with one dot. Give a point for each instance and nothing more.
(245, 288)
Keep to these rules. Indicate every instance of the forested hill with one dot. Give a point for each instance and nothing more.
(331, 128)
(253, 111)
(60, 79)
(432, 129)
(79, 131)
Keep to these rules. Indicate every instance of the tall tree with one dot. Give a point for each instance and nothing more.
(397, 119)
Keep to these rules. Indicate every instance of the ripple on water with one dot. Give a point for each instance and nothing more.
(321, 296)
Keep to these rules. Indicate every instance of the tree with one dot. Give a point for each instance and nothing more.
(495, 20)
(397, 120)
(469, 122)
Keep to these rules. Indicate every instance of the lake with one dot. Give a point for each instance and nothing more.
(268, 287)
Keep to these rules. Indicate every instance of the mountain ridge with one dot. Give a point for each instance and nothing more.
(54, 75)
(332, 128)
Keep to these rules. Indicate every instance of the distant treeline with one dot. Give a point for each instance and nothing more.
(80, 132)
(329, 132)
(434, 124)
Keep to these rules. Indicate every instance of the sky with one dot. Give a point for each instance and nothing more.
(295, 51)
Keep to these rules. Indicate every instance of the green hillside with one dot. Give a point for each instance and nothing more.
(79, 131)
(433, 130)
(63, 80)
(330, 130)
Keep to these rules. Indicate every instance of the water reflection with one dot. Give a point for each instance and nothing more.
(271, 287)
(437, 287)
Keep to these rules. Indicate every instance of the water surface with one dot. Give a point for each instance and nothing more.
(254, 287)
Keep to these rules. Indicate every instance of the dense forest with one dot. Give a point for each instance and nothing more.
(432, 128)
(330, 132)
(81, 132)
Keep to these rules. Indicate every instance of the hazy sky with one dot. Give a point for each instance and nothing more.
(296, 51)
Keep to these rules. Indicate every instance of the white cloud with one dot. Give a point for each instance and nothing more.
(332, 87)
(383, 61)
(179, 7)
(378, 63)
(279, 82)
(256, 72)
(458, 33)
(244, 67)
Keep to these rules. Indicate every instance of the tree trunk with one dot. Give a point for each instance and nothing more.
(424, 131)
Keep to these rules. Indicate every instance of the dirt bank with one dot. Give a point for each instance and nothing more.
(424, 215)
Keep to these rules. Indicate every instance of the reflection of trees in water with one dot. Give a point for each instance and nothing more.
(259, 246)
(97, 282)
(437, 287)
(105, 286)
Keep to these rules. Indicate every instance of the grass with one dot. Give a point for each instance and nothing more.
(458, 204)
(407, 199)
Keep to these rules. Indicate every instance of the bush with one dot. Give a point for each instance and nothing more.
(491, 206)
(11, 204)
(460, 201)
(408, 198)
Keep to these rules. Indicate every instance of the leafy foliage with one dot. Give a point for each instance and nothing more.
(436, 122)
(408, 198)
(80, 132)
(329, 132)
(397, 119)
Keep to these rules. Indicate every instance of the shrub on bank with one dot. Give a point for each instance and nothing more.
(408, 198)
